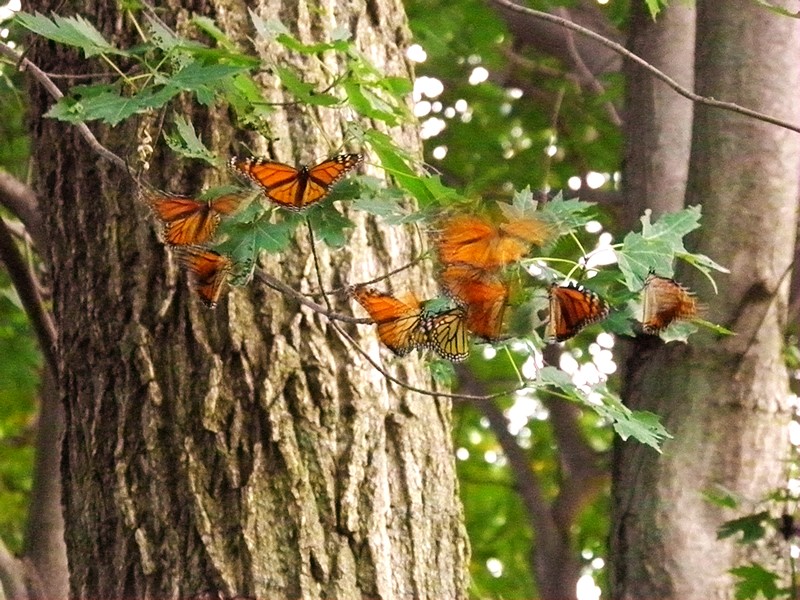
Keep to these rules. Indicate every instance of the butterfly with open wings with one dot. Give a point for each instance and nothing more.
(295, 188)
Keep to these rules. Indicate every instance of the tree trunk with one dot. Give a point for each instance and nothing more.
(247, 449)
(44, 538)
(658, 122)
(724, 399)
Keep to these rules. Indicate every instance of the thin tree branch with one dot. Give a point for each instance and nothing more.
(56, 93)
(277, 285)
(21, 200)
(625, 53)
(585, 74)
(26, 285)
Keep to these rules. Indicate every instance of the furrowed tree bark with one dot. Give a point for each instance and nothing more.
(248, 449)
(724, 399)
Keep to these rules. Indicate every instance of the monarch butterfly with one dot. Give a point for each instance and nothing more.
(188, 221)
(398, 320)
(208, 270)
(664, 301)
(474, 241)
(483, 293)
(403, 325)
(447, 334)
(291, 188)
(572, 308)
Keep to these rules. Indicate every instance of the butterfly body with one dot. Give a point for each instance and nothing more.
(665, 301)
(295, 188)
(572, 307)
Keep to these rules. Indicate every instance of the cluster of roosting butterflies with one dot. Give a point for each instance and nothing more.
(473, 254)
(189, 224)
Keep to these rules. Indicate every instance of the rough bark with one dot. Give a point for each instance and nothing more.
(724, 399)
(248, 449)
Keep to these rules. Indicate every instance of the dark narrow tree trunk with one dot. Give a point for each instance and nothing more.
(724, 399)
(44, 537)
(246, 449)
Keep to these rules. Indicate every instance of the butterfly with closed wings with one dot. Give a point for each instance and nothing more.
(664, 301)
(208, 271)
(572, 307)
(404, 324)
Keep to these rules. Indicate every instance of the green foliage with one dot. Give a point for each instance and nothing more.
(654, 6)
(770, 526)
(71, 31)
(752, 527)
(641, 425)
(186, 142)
(500, 134)
(755, 582)
(19, 374)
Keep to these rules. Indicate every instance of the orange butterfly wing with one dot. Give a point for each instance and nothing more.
(322, 177)
(531, 230)
(227, 204)
(472, 240)
(209, 271)
(571, 309)
(399, 321)
(483, 294)
(446, 334)
(664, 301)
(296, 189)
(188, 221)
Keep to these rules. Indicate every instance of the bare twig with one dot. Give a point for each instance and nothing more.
(26, 285)
(279, 286)
(375, 280)
(22, 202)
(408, 386)
(625, 53)
(56, 93)
(585, 73)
